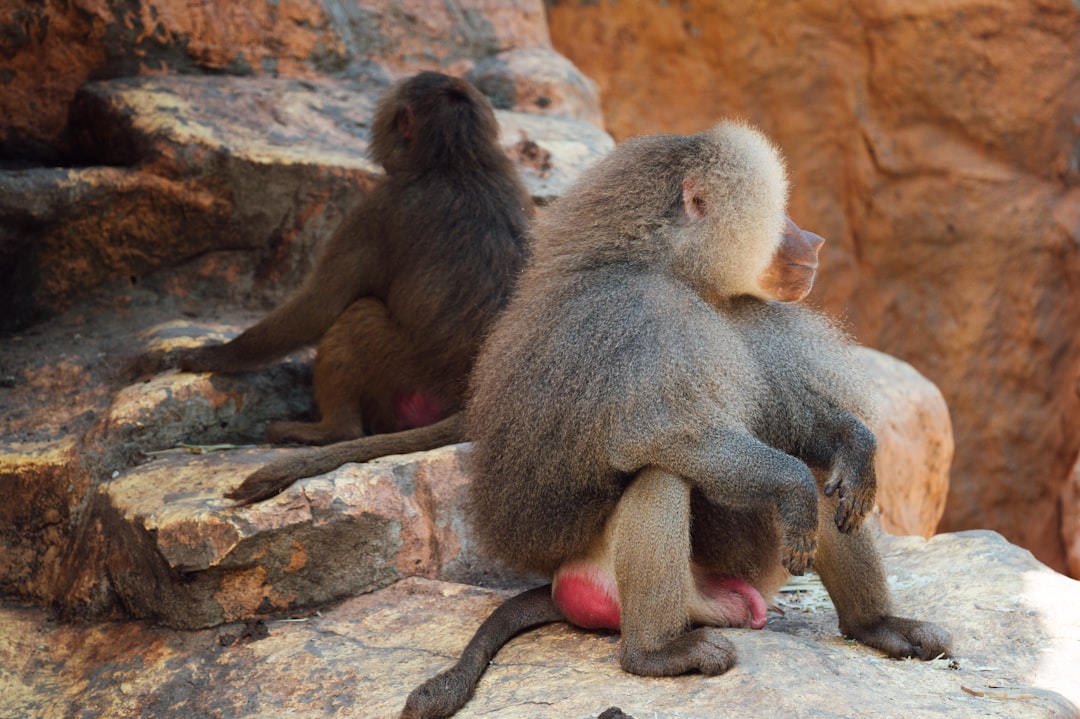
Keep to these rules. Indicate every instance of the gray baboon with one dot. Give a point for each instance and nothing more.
(656, 428)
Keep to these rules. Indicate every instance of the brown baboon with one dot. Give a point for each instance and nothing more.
(658, 430)
(405, 289)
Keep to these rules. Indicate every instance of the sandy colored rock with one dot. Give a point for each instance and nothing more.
(1015, 625)
(915, 445)
(935, 146)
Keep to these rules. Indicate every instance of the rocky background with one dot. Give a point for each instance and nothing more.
(182, 161)
(936, 145)
(168, 169)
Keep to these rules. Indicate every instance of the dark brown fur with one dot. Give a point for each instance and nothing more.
(405, 288)
(642, 408)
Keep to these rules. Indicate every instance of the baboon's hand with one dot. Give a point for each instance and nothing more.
(857, 492)
(900, 638)
(798, 551)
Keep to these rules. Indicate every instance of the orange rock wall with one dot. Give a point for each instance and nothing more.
(937, 145)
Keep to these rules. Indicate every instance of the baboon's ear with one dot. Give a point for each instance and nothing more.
(406, 123)
(693, 197)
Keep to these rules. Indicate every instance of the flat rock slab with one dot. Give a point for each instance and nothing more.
(177, 551)
(1015, 625)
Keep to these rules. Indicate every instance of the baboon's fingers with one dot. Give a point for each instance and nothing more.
(850, 514)
(798, 553)
(833, 484)
(856, 497)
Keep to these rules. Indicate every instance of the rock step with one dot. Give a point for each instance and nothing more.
(177, 552)
(218, 186)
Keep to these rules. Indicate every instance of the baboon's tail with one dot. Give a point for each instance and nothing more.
(274, 477)
(446, 692)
